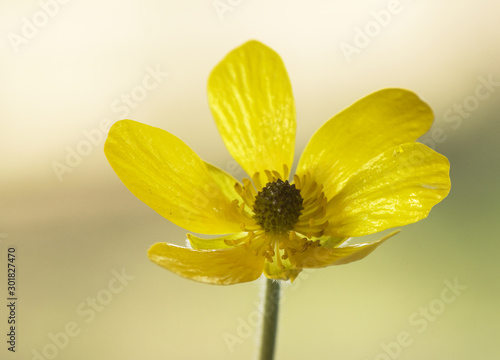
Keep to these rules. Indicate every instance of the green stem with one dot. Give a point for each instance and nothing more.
(270, 319)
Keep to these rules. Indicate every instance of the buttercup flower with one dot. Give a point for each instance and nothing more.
(362, 172)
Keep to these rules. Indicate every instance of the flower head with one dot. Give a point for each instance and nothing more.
(362, 172)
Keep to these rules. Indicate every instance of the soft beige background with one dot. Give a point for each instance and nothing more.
(75, 230)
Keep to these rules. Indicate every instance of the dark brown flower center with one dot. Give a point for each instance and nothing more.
(277, 207)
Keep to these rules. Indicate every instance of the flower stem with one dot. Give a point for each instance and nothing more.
(270, 319)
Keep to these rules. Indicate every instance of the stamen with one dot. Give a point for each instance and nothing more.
(249, 186)
(278, 257)
(243, 240)
(296, 181)
(238, 188)
(269, 176)
(285, 254)
(270, 250)
(248, 228)
(239, 213)
(256, 181)
(247, 192)
(286, 171)
(317, 213)
(311, 222)
(242, 208)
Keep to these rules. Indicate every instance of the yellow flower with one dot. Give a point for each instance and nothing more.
(362, 172)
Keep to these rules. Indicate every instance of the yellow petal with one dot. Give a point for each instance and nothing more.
(223, 242)
(251, 100)
(168, 176)
(398, 187)
(225, 182)
(370, 126)
(317, 257)
(220, 267)
(331, 241)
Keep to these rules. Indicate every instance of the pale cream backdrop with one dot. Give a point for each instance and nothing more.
(85, 287)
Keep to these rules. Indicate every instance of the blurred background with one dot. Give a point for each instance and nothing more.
(85, 287)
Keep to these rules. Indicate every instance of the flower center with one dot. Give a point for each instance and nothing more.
(277, 207)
